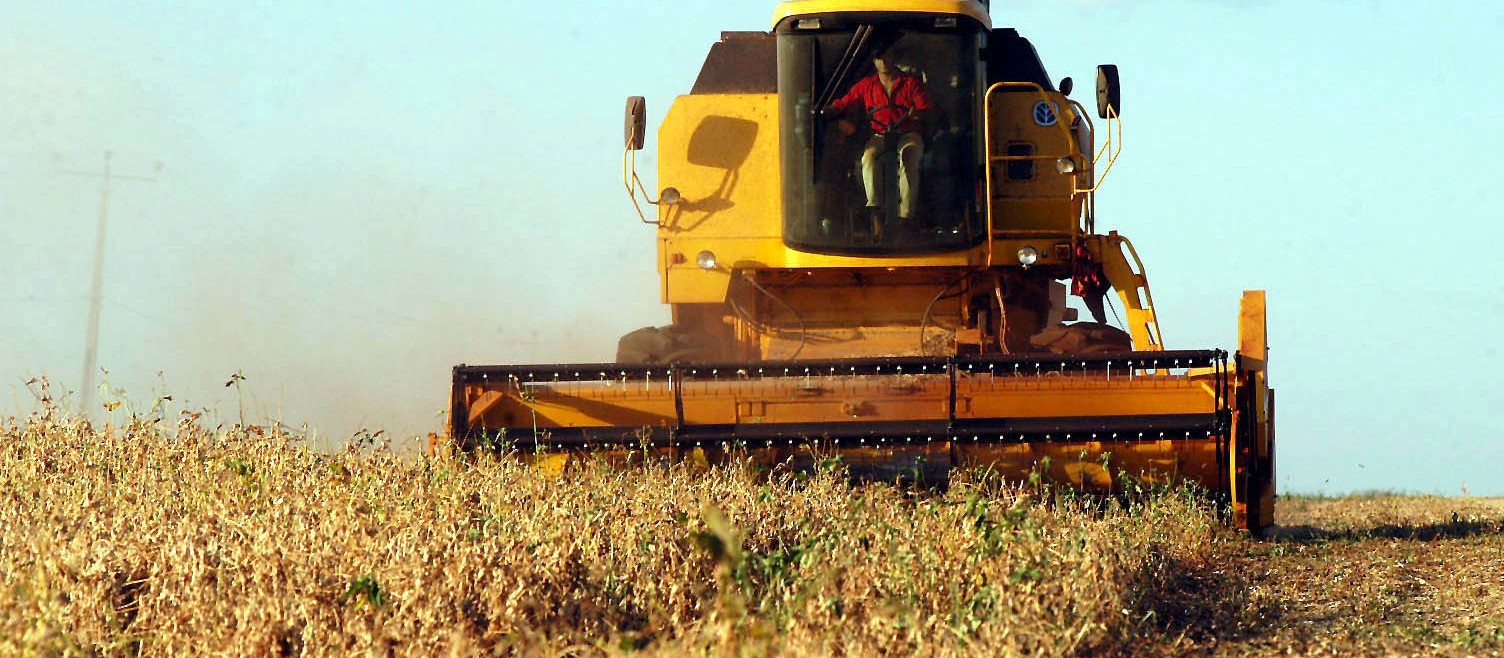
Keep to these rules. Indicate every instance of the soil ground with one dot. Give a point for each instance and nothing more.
(1364, 575)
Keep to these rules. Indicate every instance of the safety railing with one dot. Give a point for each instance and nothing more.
(993, 158)
(635, 185)
(1110, 149)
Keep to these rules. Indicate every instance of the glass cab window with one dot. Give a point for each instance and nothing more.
(880, 145)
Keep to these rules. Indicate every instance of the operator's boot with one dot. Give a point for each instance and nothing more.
(909, 228)
(875, 213)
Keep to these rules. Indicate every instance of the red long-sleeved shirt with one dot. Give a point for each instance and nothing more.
(909, 95)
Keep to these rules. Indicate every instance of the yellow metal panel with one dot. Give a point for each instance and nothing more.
(688, 284)
(1012, 214)
(860, 341)
(575, 404)
(1098, 466)
(1047, 201)
(796, 259)
(1266, 502)
(982, 396)
(845, 305)
(818, 399)
(1252, 453)
(1044, 243)
(721, 152)
(970, 8)
(1253, 330)
(746, 396)
(550, 465)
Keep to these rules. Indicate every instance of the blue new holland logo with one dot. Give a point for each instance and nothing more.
(1046, 114)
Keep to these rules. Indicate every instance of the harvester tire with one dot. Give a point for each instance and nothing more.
(1081, 338)
(668, 344)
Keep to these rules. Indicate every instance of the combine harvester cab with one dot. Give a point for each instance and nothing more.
(868, 221)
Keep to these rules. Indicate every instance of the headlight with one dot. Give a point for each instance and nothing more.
(1027, 256)
(1066, 165)
(706, 260)
(670, 196)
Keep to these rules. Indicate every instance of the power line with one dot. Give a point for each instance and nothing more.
(136, 311)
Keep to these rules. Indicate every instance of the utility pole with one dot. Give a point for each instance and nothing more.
(96, 286)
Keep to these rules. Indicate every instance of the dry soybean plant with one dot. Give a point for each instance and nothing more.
(161, 538)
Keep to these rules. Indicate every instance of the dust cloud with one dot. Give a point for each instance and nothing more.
(320, 239)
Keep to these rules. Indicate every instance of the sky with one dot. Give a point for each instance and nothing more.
(353, 197)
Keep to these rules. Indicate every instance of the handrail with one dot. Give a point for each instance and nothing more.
(633, 183)
(1107, 147)
(1089, 206)
(987, 141)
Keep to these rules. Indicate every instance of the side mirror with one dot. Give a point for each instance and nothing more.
(1066, 85)
(1109, 92)
(637, 121)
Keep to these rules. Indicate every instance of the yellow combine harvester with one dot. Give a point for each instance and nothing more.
(869, 221)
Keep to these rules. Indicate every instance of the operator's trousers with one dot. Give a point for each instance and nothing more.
(910, 151)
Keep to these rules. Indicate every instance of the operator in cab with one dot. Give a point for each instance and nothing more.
(894, 103)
